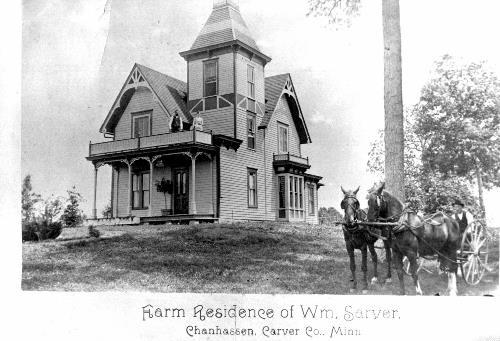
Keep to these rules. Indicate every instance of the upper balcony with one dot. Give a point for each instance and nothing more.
(152, 142)
(286, 162)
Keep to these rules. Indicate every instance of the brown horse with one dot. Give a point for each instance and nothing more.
(416, 236)
(358, 237)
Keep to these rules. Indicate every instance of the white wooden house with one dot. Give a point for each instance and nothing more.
(245, 163)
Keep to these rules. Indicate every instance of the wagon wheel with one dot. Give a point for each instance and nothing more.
(474, 253)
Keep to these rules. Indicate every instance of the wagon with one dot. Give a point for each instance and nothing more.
(473, 254)
(472, 257)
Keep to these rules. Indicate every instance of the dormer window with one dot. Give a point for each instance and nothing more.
(210, 78)
(141, 124)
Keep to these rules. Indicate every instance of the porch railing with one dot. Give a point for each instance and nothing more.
(291, 158)
(150, 142)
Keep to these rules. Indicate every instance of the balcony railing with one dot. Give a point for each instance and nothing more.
(150, 142)
(291, 158)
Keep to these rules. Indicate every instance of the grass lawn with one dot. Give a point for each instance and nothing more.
(264, 258)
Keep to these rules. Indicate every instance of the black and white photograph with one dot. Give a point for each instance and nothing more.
(250, 152)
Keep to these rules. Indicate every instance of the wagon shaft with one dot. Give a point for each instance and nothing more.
(375, 223)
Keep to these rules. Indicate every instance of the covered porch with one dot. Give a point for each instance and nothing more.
(189, 173)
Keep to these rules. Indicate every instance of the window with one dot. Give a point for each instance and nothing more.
(282, 139)
(252, 187)
(141, 124)
(281, 197)
(251, 81)
(140, 190)
(251, 131)
(210, 78)
(296, 197)
(310, 189)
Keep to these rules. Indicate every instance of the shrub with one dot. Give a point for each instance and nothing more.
(93, 232)
(72, 215)
(36, 231)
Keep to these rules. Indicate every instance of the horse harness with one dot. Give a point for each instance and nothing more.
(405, 226)
(356, 228)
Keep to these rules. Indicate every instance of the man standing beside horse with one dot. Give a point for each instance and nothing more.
(464, 218)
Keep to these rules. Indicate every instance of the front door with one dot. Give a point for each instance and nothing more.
(181, 191)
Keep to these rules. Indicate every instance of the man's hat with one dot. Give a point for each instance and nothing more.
(459, 202)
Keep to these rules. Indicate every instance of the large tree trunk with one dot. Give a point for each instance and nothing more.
(393, 100)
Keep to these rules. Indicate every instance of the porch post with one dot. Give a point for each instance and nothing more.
(151, 167)
(212, 183)
(193, 184)
(94, 207)
(115, 196)
(129, 206)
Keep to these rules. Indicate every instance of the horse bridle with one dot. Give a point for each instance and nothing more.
(381, 203)
(344, 204)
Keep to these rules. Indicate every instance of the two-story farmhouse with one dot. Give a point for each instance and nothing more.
(227, 144)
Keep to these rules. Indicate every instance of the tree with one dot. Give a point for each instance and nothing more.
(413, 147)
(340, 11)
(28, 200)
(72, 215)
(107, 212)
(425, 190)
(328, 215)
(52, 208)
(459, 117)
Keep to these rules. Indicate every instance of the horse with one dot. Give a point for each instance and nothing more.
(358, 237)
(416, 236)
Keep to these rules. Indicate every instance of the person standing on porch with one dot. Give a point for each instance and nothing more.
(176, 123)
(198, 122)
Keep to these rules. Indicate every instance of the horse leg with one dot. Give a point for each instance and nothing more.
(388, 256)
(414, 273)
(398, 260)
(452, 283)
(373, 253)
(364, 268)
(352, 263)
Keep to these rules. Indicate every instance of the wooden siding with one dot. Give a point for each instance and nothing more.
(204, 187)
(142, 100)
(225, 73)
(220, 121)
(242, 63)
(282, 114)
(234, 169)
(122, 190)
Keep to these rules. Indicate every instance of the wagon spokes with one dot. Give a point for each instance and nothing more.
(474, 254)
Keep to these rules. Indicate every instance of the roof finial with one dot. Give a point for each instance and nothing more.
(222, 3)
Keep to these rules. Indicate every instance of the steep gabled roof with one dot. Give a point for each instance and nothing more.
(276, 87)
(170, 92)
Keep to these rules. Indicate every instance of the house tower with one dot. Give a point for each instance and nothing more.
(225, 72)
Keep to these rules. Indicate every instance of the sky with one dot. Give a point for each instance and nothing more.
(77, 54)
